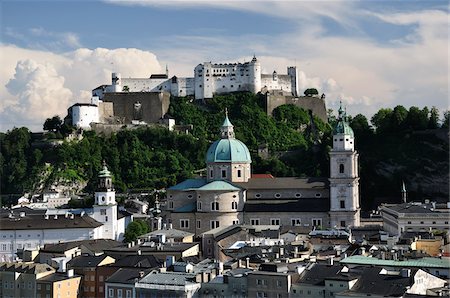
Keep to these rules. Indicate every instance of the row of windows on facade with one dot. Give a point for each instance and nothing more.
(434, 222)
(342, 140)
(258, 195)
(316, 222)
(119, 293)
(10, 246)
(21, 285)
(215, 70)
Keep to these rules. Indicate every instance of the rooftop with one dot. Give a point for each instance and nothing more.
(284, 183)
(426, 262)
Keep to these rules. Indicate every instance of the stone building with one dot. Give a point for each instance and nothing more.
(229, 195)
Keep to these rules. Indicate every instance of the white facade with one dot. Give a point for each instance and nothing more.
(83, 115)
(209, 79)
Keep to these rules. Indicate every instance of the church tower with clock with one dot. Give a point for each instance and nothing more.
(344, 177)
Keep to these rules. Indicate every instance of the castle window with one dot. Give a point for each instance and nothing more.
(184, 223)
(234, 205)
(343, 223)
(341, 168)
(224, 174)
(199, 224)
(215, 206)
(214, 224)
(170, 204)
(316, 222)
(275, 221)
(199, 205)
(235, 222)
(239, 173)
(296, 222)
(342, 204)
(254, 221)
(211, 173)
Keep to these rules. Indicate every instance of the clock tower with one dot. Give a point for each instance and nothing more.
(344, 177)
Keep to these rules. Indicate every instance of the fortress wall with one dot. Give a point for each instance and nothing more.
(275, 99)
(154, 105)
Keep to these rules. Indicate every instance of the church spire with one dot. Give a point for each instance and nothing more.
(227, 130)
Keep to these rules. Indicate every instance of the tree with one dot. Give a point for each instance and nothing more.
(311, 92)
(445, 123)
(135, 229)
(382, 120)
(417, 119)
(53, 124)
(360, 126)
(398, 117)
(434, 118)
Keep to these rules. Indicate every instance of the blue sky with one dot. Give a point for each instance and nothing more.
(369, 54)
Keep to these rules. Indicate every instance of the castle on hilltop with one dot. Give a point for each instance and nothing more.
(209, 79)
(146, 100)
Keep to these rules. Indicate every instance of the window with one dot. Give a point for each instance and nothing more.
(3, 246)
(254, 221)
(92, 277)
(298, 195)
(434, 222)
(215, 206)
(199, 205)
(234, 205)
(318, 195)
(258, 195)
(119, 293)
(211, 173)
(279, 283)
(214, 224)
(189, 196)
(102, 211)
(39, 286)
(342, 223)
(100, 278)
(235, 222)
(409, 222)
(239, 173)
(111, 293)
(100, 289)
(341, 168)
(316, 222)
(128, 293)
(184, 223)
(342, 204)
(30, 286)
(199, 224)
(275, 221)
(106, 218)
(47, 287)
(224, 174)
(277, 195)
(421, 222)
(170, 204)
(261, 294)
(296, 222)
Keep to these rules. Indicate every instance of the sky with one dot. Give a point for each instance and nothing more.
(367, 54)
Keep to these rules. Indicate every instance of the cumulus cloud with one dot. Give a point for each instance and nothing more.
(36, 85)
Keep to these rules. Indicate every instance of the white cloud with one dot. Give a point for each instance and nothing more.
(36, 85)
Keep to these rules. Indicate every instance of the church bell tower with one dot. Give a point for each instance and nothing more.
(344, 177)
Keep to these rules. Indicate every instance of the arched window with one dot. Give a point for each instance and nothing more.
(341, 168)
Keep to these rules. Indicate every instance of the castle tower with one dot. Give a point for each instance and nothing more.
(105, 206)
(292, 72)
(116, 80)
(344, 177)
(228, 158)
(255, 75)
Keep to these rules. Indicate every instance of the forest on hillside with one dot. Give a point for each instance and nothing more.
(395, 145)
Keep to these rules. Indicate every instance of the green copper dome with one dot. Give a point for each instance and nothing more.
(228, 150)
(342, 127)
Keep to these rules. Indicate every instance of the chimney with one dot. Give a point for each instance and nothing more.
(70, 273)
(72, 216)
(56, 216)
(46, 216)
(139, 252)
(22, 214)
(141, 274)
(247, 262)
(170, 226)
(331, 261)
(406, 272)
(170, 260)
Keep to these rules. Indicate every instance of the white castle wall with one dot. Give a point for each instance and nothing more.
(209, 79)
(84, 114)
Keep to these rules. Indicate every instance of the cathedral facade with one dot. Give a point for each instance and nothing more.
(230, 194)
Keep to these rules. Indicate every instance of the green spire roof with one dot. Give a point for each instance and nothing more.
(342, 126)
(104, 173)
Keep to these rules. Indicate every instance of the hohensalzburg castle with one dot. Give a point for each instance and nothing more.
(209, 79)
(146, 100)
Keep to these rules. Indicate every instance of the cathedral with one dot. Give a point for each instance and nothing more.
(230, 194)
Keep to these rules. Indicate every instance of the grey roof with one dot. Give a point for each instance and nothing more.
(147, 247)
(189, 184)
(284, 183)
(298, 205)
(317, 273)
(27, 268)
(95, 246)
(370, 281)
(38, 222)
(172, 278)
(411, 208)
(127, 275)
(140, 261)
(86, 261)
(56, 277)
(170, 233)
